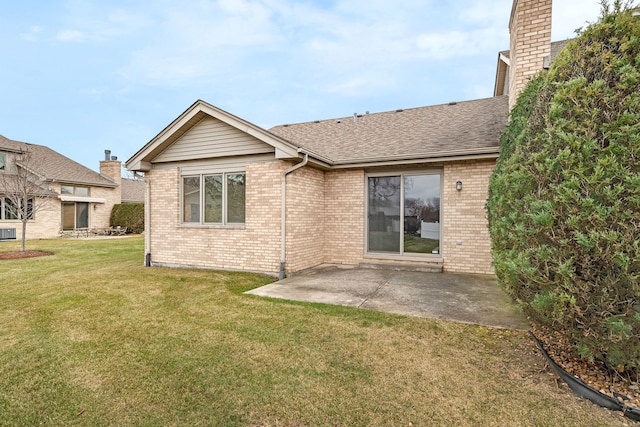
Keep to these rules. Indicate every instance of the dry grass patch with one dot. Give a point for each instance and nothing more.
(90, 337)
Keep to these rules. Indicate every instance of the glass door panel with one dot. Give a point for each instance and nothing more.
(82, 215)
(422, 214)
(384, 214)
(68, 216)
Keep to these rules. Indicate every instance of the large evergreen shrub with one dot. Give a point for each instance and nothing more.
(564, 199)
(130, 215)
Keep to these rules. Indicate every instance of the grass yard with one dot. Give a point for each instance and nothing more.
(90, 337)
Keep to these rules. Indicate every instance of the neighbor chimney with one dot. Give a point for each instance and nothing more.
(111, 167)
(530, 42)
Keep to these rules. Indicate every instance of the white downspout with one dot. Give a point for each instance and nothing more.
(283, 215)
(147, 219)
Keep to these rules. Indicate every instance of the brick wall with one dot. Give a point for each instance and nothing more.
(254, 246)
(530, 42)
(305, 218)
(100, 213)
(344, 216)
(466, 241)
(325, 223)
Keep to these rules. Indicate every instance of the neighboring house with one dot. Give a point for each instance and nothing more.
(80, 198)
(400, 187)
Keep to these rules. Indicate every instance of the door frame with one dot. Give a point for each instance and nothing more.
(402, 173)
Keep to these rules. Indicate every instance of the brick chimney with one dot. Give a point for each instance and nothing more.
(530, 42)
(111, 167)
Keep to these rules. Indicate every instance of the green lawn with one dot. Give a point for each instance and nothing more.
(90, 337)
(417, 244)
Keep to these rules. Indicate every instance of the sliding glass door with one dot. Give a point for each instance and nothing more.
(404, 214)
(75, 215)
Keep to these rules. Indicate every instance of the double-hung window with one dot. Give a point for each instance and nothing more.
(214, 198)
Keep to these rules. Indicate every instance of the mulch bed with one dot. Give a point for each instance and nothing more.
(25, 254)
(609, 382)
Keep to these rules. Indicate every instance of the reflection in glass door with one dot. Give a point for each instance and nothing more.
(384, 214)
(418, 198)
(422, 214)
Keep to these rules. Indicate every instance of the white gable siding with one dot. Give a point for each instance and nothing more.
(212, 138)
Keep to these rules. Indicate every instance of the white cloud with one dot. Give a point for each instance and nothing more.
(569, 15)
(70, 36)
(446, 45)
(494, 13)
(87, 22)
(33, 34)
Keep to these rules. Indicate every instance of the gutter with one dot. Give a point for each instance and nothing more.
(90, 184)
(441, 156)
(283, 213)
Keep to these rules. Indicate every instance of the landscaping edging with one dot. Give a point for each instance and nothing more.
(585, 390)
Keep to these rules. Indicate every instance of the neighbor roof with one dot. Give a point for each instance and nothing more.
(53, 166)
(457, 128)
(132, 190)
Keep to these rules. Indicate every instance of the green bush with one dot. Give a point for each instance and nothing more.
(130, 215)
(564, 199)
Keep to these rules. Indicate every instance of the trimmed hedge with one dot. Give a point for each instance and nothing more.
(130, 215)
(564, 198)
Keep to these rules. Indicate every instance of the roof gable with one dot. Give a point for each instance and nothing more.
(186, 127)
(211, 137)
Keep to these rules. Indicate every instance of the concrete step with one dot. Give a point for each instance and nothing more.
(426, 266)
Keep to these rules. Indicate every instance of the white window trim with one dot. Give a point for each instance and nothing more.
(201, 223)
(402, 255)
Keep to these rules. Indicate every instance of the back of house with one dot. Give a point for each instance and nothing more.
(406, 187)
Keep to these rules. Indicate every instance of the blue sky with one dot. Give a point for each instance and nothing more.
(85, 76)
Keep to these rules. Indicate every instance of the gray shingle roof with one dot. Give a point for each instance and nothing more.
(414, 133)
(53, 166)
(132, 190)
(556, 47)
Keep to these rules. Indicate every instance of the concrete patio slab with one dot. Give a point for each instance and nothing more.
(453, 297)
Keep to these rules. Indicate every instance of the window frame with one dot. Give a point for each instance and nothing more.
(3, 211)
(74, 190)
(201, 222)
(77, 206)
